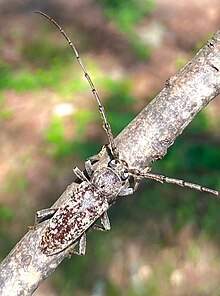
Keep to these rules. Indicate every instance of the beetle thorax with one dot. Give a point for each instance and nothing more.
(107, 181)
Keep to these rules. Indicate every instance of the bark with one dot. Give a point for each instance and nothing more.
(145, 140)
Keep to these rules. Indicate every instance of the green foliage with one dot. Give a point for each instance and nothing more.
(190, 151)
(194, 252)
(142, 51)
(6, 213)
(55, 135)
(42, 52)
(152, 288)
(85, 149)
(16, 182)
(50, 67)
(186, 212)
(151, 203)
(61, 147)
(5, 113)
(82, 119)
(55, 75)
(38, 79)
(119, 105)
(4, 74)
(25, 79)
(126, 13)
(202, 42)
(211, 219)
(180, 61)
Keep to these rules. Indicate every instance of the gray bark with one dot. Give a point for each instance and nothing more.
(145, 140)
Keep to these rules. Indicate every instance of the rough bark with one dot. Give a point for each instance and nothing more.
(145, 140)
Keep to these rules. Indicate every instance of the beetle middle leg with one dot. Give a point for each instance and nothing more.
(42, 216)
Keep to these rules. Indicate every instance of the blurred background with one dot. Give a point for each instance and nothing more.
(163, 241)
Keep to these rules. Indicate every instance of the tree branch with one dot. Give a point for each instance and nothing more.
(145, 140)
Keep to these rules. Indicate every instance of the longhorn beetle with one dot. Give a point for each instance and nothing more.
(96, 191)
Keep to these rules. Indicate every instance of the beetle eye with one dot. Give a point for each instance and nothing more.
(124, 175)
(113, 163)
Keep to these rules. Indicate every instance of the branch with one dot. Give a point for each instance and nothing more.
(145, 140)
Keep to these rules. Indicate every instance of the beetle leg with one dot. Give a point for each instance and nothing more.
(82, 246)
(89, 168)
(80, 174)
(105, 223)
(42, 216)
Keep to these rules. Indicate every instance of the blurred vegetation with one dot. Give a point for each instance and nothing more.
(5, 213)
(5, 113)
(194, 156)
(60, 147)
(126, 14)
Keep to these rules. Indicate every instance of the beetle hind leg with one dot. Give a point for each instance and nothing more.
(81, 249)
(105, 223)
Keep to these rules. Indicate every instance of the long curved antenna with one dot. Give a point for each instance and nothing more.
(106, 125)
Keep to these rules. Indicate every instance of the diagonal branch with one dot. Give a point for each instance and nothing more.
(145, 140)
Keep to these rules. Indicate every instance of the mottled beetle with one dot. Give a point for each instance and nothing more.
(96, 191)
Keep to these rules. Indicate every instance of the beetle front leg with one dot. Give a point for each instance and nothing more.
(136, 184)
(127, 189)
(89, 168)
(89, 164)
